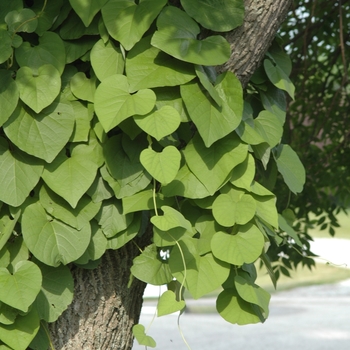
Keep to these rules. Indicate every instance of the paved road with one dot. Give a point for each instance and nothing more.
(308, 318)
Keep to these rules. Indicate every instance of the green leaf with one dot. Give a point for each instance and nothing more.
(148, 67)
(70, 177)
(106, 60)
(126, 21)
(56, 292)
(23, 20)
(42, 135)
(9, 94)
(149, 268)
(160, 122)
(212, 166)
(82, 87)
(49, 51)
(284, 225)
(203, 275)
(87, 9)
(274, 100)
(38, 89)
(177, 36)
(167, 304)
(291, 168)
(82, 118)
(99, 190)
(20, 289)
(234, 309)
(138, 330)
(7, 227)
(7, 315)
(269, 127)
(214, 122)
(51, 241)
(207, 80)
(234, 207)
(20, 334)
(218, 16)
(57, 207)
(19, 174)
(244, 247)
(77, 48)
(114, 103)
(266, 209)
(279, 78)
(5, 46)
(243, 174)
(162, 166)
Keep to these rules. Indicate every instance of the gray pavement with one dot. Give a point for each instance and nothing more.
(307, 318)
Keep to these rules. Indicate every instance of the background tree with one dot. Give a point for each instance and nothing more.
(123, 150)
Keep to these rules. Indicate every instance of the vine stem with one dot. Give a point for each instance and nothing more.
(48, 335)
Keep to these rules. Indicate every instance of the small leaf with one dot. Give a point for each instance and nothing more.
(138, 331)
(82, 87)
(114, 103)
(283, 224)
(167, 304)
(23, 20)
(162, 166)
(87, 9)
(177, 36)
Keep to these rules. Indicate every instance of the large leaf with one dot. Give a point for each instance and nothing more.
(42, 135)
(243, 247)
(56, 292)
(38, 88)
(70, 177)
(218, 16)
(87, 9)
(19, 174)
(269, 127)
(20, 288)
(82, 87)
(291, 168)
(201, 274)
(51, 241)
(177, 36)
(215, 122)
(148, 67)
(162, 166)
(49, 51)
(213, 165)
(126, 21)
(114, 103)
(9, 95)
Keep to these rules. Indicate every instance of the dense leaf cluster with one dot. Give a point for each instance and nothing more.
(112, 119)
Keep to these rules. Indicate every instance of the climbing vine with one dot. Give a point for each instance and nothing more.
(113, 118)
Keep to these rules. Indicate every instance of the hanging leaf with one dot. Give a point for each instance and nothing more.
(243, 174)
(114, 103)
(126, 21)
(269, 127)
(217, 16)
(5, 45)
(9, 94)
(167, 304)
(82, 87)
(138, 330)
(177, 36)
(87, 9)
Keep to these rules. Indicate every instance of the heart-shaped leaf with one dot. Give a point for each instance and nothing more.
(20, 334)
(167, 304)
(87, 9)
(24, 20)
(244, 247)
(49, 51)
(19, 173)
(269, 127)
(177, 36)
(70, 177)
(148, 67)
(20, 289)
(139, 333)
(9, 94)
(218, 17)
(171, 219)
(114, 103)
(38, 88)
(162, 166)
(51, 241)
(82, 87)
(42, 135)
(106, 60)
(160, 122)
(126, 21)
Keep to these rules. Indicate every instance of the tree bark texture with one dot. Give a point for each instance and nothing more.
(250, 41)
(104, 308)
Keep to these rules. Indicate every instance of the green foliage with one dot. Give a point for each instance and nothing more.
(112, 119)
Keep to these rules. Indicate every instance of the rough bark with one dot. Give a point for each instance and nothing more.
(104, 309)
(250, 41)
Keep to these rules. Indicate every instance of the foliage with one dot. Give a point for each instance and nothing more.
(111, 114)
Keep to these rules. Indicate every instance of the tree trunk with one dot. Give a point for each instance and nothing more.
(104, 309)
